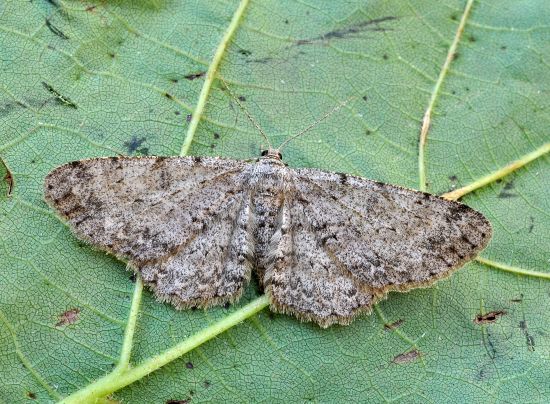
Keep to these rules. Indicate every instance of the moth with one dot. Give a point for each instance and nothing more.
(324, 246)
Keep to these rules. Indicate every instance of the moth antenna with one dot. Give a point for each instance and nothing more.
(236, 99)
(329, 113)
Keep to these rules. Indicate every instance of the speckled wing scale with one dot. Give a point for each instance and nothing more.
(180, 222)
(325, 246)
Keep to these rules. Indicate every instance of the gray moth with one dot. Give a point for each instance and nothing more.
(324, 246)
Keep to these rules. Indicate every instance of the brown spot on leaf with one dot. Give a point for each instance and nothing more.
(194, 76)
(8, 178)
(31, 395)
(350, 31)
(60, 98)
(407, 357)
(184, 401)
(189, 365)
(394, 325)
(55, 30)
(489, 318)
(69, 317)
(517, 299)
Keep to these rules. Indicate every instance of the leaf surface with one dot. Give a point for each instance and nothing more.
(83, 79)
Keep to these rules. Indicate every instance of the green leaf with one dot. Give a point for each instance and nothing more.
(446, 94)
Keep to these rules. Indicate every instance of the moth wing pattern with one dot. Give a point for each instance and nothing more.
(388, 237)
(163, 215)
(303, 279)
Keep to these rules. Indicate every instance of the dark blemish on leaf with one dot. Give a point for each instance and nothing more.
(530, 340)
(242, 98)
(407, 357)
(489, 318)
(245, 52)
(212, 146)
(216, 135)
(189, 117)
(365, 98)
(260, 60)
(111, 55)
(453, 178)
(286, 21)
(185, 401)
(499, 181)
(490, 345)
(454, 17)
(531, 224)
(467, 88)
(385, 57)
(456, 55)
(31, 395)
(351, 31)
(169, 96)
(177, 112)
(53, 3)
(503, 47)
(189, 365)
(504, 193)
(133, 144)
(8, 178)
(90, 9)
(394, 325)
(368, 132)
(59, 97)
(7, 108)
(206, 384)
(518, 299)
(133, 278)
(523, 325)
(227, 305)
(453, 92)
(69, 317)
(194, 76)
(55, 30)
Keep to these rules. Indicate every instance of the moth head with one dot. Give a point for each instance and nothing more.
(272, 154)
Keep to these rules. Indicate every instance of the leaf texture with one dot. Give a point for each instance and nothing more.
(89, 79)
